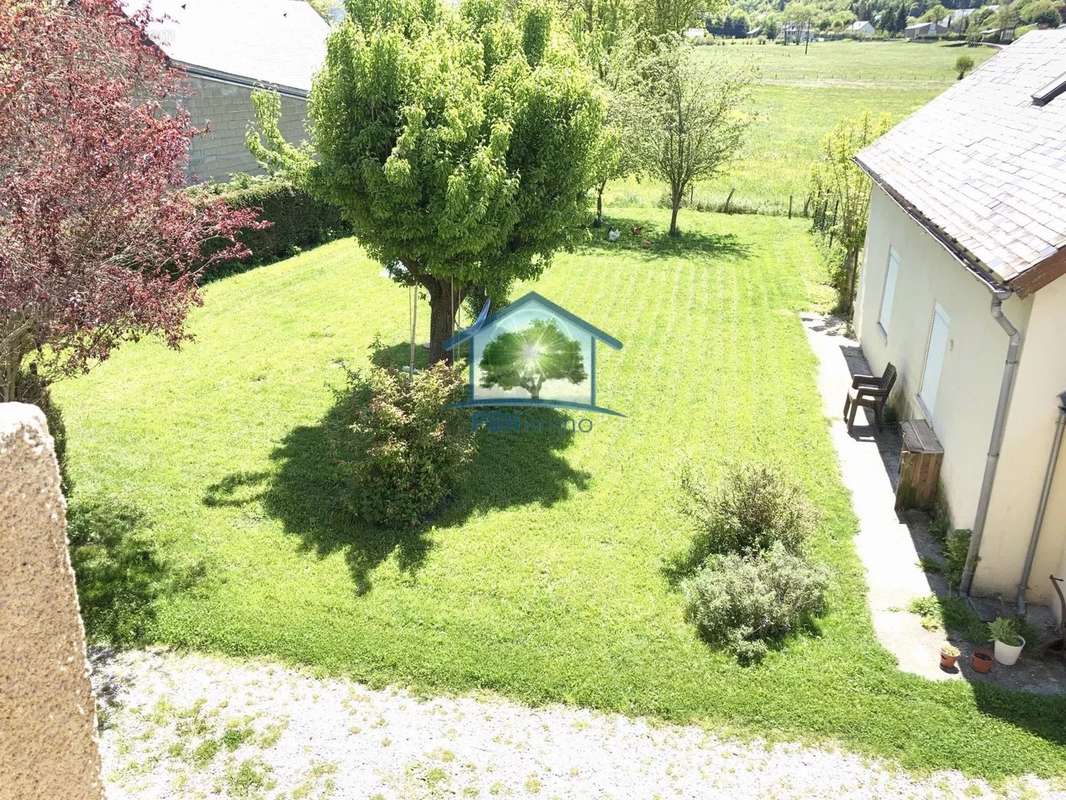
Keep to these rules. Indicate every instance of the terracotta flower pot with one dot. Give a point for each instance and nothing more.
(981, 662)
(947, 662)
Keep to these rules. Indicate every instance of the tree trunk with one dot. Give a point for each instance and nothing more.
(675, 207)
(443, 304)
(599, 206)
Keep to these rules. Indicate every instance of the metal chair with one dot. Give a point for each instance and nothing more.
(871, 392)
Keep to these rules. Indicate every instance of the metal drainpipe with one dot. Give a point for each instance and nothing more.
(1010, 369)
(1041, 509)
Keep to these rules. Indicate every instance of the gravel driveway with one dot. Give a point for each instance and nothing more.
(190, 726)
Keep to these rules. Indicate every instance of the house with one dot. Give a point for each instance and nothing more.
(962, 292)
(862, 29)
(798, 32)
(227, 48)
(925, 31)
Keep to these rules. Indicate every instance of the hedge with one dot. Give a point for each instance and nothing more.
(299, 220)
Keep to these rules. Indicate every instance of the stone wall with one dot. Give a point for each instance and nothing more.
(48, 744)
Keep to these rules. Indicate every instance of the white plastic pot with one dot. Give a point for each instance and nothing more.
(1006, 654)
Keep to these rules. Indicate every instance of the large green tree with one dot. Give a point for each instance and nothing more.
(459, 143)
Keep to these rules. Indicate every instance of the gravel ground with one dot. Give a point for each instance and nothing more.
(191, 726)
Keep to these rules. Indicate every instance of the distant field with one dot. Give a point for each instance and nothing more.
(800, 97)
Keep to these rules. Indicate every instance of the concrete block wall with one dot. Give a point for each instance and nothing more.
(226, 109)
(48, 741)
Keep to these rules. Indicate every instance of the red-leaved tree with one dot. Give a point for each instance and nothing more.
(98, 244)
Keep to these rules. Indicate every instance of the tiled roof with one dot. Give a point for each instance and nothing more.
(983, 167)
(279, 43)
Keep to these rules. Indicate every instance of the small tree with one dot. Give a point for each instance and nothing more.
(604, 32)
(963, 64)
(527, 358)
(693, 119)
(459, 144)
(841, 193)
(98, 244)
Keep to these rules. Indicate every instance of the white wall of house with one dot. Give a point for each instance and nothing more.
(974, 346)
(226, 109)
(1023, 463)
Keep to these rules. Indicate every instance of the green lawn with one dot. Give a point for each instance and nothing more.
(545, 580)
(799, 98)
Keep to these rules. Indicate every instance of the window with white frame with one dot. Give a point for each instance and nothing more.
(939, 336)
(888, 291)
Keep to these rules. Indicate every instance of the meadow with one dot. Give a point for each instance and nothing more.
(547, 578)
(798, 98)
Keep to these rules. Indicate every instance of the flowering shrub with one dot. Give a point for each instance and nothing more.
(756, 506)
(741, 602)
(745, 578)
(404, 448)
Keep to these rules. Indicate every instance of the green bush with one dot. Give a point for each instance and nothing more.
(298, 220)
(741, 602)
(755, 507)
(963, 64)
(403, 449)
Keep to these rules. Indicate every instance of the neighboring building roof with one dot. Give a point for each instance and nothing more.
(860, 24)
(983, 166)
(927, 27)
(275, 43)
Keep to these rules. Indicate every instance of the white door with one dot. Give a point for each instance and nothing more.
(934, 359)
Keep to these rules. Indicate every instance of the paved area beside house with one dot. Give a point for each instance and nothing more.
(885, 544)
(193, 726)
(890, 547)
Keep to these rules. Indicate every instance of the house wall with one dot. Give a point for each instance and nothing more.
(977, 346)
(226, 109)
(1023, 463)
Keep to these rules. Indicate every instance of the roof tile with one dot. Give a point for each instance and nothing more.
(985, 165)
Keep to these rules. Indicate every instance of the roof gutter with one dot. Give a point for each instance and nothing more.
(995, 445)
(241, 80)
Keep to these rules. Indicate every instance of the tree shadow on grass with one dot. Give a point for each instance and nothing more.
(651, 241)
(516, 468)
(309, 493)
(1040, 714)
(122, 574)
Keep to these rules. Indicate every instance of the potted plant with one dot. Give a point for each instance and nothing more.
(1009, 642)
(948, 654)
(981, 661)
